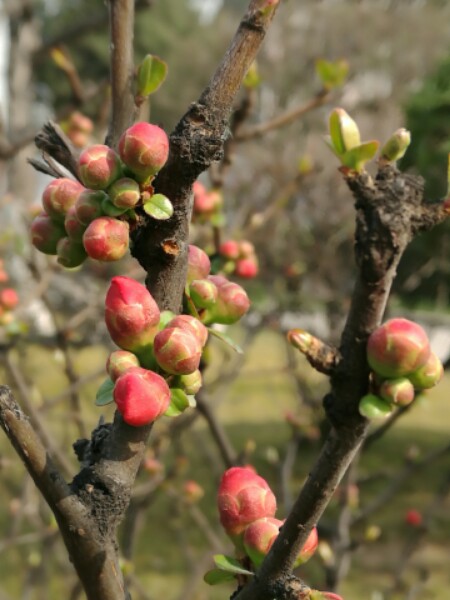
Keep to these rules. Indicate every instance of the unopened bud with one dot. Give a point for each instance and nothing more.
(124, 193)
(203, 293)
(75, 230)
(70, 253)
(191, 324)
(232, 303)
(247, 268)
(119, 362)
(46, 233)
(397, 391)
(89, 206)
(190, 383)
(144, 148)
(60, 195)
(99, 166)
(230, 249)
(344, 131)
(106, 239)
(429, 375)
(396, 146)
(177, 351)
(9, 299)
(373, 407)
(199, 264)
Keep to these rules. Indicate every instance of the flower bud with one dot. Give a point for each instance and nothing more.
(191, 324)
(141, 396)
(46, 233)
(144, 148)
(192, 491)
(397, 391)
(9, 299)
(99, 166)
(243, 497)
(413, 517)
(131, 314)
(70, 253)
(373, 407)
(397, 348)
(230, 249)
(89, 206)
(246, 249)
(80, 122)
(396, 146)
(207, 202)
(316, 595)
(125, 193)
(190, 383)
(60, 195)
(247, 268)
(199, 264)
(106, 239)
(232, 303)
(119, 362)
(203, 293)
(72, 225)
(177, 351)
(429, 375)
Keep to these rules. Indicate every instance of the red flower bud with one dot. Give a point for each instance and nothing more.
(429, 375)
(199, 264)
(144, 148)
(397, 348)
(230, 249)
(106, 239)
(125, 193)
(119, 362)
(203, 293)
(247, 268)
(141, 396)
(73, 227)
(70, 253)
(413, 517)
(191, 324)
(89, 206)
(9, 298)
(46, 233)
(232, 303)
(99, 166)
(398, 391)
(207, 202)
(243, 497)
(60, 195)
(131, 314)
(177, 351)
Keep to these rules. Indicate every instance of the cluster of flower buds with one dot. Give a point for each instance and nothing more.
(207, 203)
(240, 258)
(247, 507)
(92, 218)
(78, 129)
(216, 299)
(8, 298)
(399, 354)
(159, 357)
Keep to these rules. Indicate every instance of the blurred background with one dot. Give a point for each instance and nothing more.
(385, 534)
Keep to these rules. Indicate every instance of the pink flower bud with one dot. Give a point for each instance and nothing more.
(308, 549)
(131, 314)
(199, 264)
(190, 383)
(247, 268)
(99, 166)
(246, 248)
(316, 595)
(398, 391)
(191, 324)
(106, 239)
(144, 148)
(141, 396)
(207, 202)
(429, 375)
(80, 122)
(229, 249)
(119, 362)
(177, 351)
(125, 193)
(73, 227)
(203, 293)
(70, 253)
(9, 298)
(60, 195)
(46, 233)
(192, 491)
(232, 303)
(243, 497)
(89, 206)
(397, 348)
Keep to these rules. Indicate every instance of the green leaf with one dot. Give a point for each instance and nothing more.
(356, 157)
(230, 565)
(159, 207)
(226, 340)
(218, 219)
(332, 74)
(104, 394)
(179, 401)
(217, 576)
(151, 73)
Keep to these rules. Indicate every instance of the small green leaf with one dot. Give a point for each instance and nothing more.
(217, 576)
(110, 210)
(252, 78)
(151, 73)
(179, 401)
(218, 219)
(356, 157)
(159, 207)
(104, 394)
(226, 339)
(332, 74)
(230, 565)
